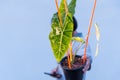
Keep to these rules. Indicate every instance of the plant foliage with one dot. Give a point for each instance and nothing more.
(61, 35)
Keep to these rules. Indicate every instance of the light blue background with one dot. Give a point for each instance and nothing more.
(25, 52)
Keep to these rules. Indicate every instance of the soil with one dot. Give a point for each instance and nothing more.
(78, 62)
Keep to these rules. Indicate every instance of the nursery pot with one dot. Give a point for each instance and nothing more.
(72, 74)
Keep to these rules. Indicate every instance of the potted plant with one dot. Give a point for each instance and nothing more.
(62, 41)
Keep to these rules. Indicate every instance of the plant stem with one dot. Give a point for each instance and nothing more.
(70, 51)
(68, 57)
(76, 51)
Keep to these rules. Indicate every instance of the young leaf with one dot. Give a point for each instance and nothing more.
(78, 39)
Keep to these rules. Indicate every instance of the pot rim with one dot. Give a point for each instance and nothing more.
(73, 68)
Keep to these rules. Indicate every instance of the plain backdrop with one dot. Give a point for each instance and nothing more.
(25, 52)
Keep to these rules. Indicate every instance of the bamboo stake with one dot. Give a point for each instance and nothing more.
(59, 15)
(89, 28)
(66, 9)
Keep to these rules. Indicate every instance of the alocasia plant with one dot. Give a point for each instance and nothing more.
(61, 35)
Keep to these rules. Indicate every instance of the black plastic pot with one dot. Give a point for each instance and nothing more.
(72, 74)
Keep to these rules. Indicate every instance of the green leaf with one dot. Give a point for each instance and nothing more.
(62, 11)
(71, 7)
(62, 7)
(78, 39)
(60, 37)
